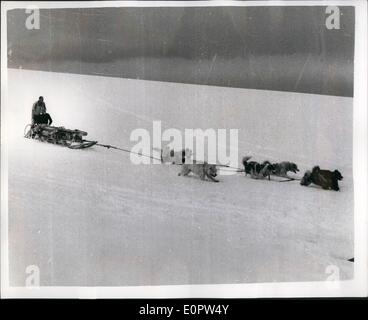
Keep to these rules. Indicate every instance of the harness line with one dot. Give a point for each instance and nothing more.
(108, 146)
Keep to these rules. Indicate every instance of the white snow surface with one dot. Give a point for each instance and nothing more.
(92, 218)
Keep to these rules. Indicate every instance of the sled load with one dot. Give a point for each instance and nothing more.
(72, 139)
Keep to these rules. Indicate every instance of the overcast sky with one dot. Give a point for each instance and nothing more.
(275, 48)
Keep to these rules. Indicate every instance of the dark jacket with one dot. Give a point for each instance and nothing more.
(38, 108)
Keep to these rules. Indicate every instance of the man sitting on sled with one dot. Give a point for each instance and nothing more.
(39, 114)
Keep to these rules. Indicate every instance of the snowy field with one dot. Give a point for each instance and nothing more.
(92, 218)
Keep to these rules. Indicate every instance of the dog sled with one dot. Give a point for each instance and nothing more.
(72, 139)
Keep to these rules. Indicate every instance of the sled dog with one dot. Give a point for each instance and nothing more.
(169, 155)
(202, 170)
(282, 168)
(258, 170)
(324, 178)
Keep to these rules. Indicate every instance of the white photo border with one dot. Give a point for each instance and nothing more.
(357, 287)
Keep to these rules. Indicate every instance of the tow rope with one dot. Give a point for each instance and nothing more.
(109, 146)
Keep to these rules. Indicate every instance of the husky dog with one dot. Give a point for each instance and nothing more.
(250, 166)
(325, 178)
(262, 171)
(282, 168)
(266, 169)
(258, 170)
(203, 170)
(169, 155)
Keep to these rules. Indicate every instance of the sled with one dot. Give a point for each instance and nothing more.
(72, 139)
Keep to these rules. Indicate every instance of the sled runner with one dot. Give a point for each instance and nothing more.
(72, 139)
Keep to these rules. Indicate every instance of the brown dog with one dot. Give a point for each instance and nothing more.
(325, 178)
(282, 168)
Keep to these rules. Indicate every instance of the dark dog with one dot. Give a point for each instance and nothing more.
(248, 166)
(257, 170)
(265, 169)
(282, 168)
(324, 178)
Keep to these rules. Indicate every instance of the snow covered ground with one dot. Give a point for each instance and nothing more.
(92, 218)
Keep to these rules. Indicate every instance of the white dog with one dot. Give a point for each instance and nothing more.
(169, 155)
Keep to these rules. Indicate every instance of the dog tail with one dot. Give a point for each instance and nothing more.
(245, 159)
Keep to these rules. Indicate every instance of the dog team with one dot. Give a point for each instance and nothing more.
(324, 178)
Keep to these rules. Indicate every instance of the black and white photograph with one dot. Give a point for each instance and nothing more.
(184, 149)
